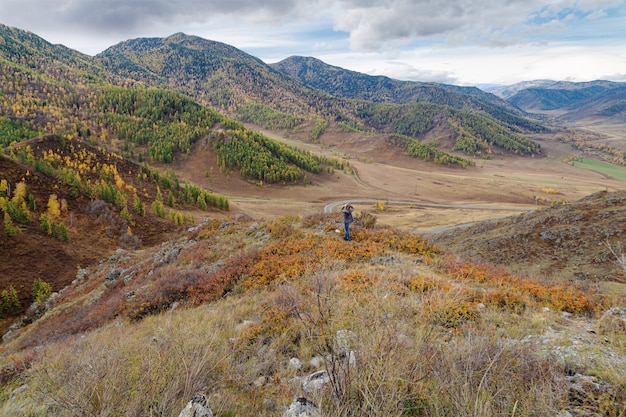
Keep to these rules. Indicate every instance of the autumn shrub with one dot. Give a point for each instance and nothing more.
(367, 220)
(425, 283)
(356, 281)
(503, 299)
(170, 284)
(450, 312)
(318, 219)
(518, 292)
(223, 280)
(283, 227)
(402, 241)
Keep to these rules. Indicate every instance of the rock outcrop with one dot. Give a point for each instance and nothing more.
(197, 407)
(301, 407)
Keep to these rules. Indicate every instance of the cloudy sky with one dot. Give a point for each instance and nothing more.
(463, 42)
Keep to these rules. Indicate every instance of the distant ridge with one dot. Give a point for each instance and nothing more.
(570, 101)
(354, 85)
(506, 91)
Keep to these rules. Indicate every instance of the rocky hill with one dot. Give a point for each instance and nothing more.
(570, 241)
(243, 316)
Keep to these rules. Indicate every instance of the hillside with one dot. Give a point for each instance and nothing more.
(566, 241)
(249, 313)
(572, 101)
(243, 87)
(101, 202)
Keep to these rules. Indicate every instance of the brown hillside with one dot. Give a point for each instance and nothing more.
(566, 240)
(95, 228)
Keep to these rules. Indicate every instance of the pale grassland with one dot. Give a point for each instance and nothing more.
(238, 349)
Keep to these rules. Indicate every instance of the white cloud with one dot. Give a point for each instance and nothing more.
(447, 40)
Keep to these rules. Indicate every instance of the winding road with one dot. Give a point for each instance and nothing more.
(328, 208)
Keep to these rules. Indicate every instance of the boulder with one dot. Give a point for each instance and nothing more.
(315, 384)
(197, 407)
(301, 407)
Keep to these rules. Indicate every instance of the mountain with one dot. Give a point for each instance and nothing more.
(506, 91)
(574, 101)
(213, 73)
(340, 82)
(234, 82)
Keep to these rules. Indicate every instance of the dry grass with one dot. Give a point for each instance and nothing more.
(398, 326)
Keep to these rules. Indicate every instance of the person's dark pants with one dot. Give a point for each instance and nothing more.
(346, 233)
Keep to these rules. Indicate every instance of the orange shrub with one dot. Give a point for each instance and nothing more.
(423, 283)
(505, 300)
(400, 240)
(450, 314)
(356, 281)
(517, 292)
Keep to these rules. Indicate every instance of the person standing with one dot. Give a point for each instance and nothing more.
(347, 210)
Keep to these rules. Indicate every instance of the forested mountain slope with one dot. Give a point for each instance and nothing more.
(213, 73)
(573, 101)
(341, 82)
(234, 82)
(350, 84)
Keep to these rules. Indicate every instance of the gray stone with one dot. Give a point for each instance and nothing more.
(301, 407)
(197, 407)
(295, 363)
(313, 384)
(112, 276)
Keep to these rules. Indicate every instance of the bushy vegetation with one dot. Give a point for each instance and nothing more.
(402, 329)
(593, 144)
(168, 123)
(15, 131)
(267, 117)
(430, 152)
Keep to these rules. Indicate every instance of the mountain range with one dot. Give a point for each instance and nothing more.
(570, 101)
